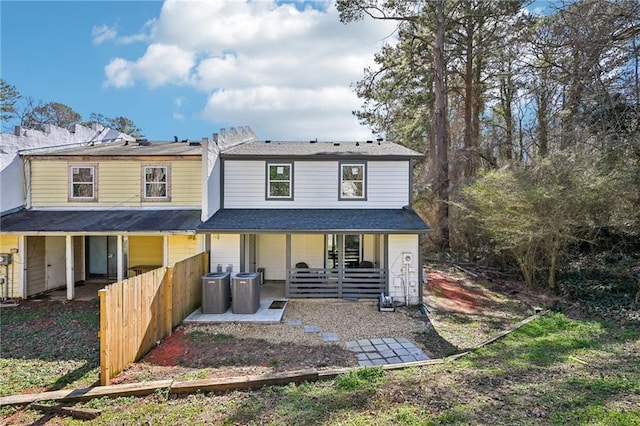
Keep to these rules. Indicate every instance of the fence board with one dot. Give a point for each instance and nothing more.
(137, 312)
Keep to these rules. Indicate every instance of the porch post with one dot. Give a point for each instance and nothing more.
(22, 269)
(165, 250)
(288, 263)
(119, 258)
(69, 260)
(340, 263)
(387, 266)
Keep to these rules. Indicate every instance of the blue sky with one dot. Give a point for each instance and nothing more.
(189, 68)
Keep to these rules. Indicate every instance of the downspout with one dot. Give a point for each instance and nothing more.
(26, 184)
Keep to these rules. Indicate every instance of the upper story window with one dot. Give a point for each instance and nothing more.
(353, 184)
(82, 183)
(279, 181)
(155, 183)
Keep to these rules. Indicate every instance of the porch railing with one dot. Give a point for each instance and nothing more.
(361, 283)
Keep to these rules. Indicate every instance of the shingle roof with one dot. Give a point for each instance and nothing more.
(320, 150)
(117, 149)
(315, 220)
(139, 220)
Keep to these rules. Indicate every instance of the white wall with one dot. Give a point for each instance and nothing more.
(402, 278)
(272, 255)
(225, 250)
(316, 185)
(26, 140)
(307, 248)
(211, 179)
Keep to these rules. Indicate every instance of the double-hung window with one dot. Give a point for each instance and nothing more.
(82, 183)
(353, 184)
(155, 183)
(279, 181)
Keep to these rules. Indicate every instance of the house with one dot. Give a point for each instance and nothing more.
(329, 219)
(103, 210)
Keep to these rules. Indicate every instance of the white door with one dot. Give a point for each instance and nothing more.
(55, 252)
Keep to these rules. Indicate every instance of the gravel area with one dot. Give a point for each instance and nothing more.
(350, 320)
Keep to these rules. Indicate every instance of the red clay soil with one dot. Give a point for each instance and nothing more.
(451, 294)
(169, 352)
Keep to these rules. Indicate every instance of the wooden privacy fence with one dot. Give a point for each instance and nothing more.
(139, 311)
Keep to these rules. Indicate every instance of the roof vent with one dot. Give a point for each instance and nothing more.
(312, 141)
(267, 141)
(184, 140)
(143, 142)
(175, 139)
(379, 139)
(336, 144)
(194, 143)
(357, 143)
(369, 141)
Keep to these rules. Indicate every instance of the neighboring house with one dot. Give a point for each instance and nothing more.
(109, 210)
(329, 219)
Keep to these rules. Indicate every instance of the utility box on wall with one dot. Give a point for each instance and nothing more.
(5, 258)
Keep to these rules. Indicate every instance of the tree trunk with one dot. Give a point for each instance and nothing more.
(440, 125)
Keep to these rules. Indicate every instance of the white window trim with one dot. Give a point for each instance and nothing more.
(167, 196)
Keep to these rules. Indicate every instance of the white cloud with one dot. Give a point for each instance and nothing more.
(260, 63)
(178, 116)
(179, 101)
(103, 33)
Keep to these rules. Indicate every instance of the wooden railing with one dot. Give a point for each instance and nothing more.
(139, 311)
(330, 283)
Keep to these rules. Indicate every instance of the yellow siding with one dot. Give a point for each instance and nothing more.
(36, 265)
(145, 250)
(8, 242)
(119, 183)
(186, 183)
(182, 247)
(49, 183)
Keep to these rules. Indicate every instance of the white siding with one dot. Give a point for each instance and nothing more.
(225, 251)
(316, 185)
(307, 248)
(272, 255)
(401, 278)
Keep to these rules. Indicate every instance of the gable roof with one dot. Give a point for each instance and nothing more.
(321, 150)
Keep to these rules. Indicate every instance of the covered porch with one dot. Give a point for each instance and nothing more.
(63, 250)
(346, 254)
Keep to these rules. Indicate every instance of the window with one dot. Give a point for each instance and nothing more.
(352, 181)
(156, 183)
(280, 181)
(351, 251)
(82, 183)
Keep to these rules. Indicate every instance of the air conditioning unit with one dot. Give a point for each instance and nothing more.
(5, 258)
(407, 258)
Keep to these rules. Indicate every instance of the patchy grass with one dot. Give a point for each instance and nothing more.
(49, 346)
(553, 371)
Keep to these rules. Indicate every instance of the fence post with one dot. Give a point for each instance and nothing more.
(105, 350)
(168, 300)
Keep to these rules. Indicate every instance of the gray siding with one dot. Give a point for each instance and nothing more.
(316, 185)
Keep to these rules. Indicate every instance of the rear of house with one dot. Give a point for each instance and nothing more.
(328, 219)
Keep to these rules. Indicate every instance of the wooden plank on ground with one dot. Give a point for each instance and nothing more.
(82, 394)
(245, 382)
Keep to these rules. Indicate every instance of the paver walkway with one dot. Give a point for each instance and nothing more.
(388, 350)
(369, 352)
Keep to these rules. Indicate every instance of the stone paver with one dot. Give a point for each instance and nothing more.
(294, 322)
(388, 350)
(311, 329)
(330, 337)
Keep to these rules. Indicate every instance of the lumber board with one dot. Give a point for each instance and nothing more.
(244, 382)
(82, 394)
